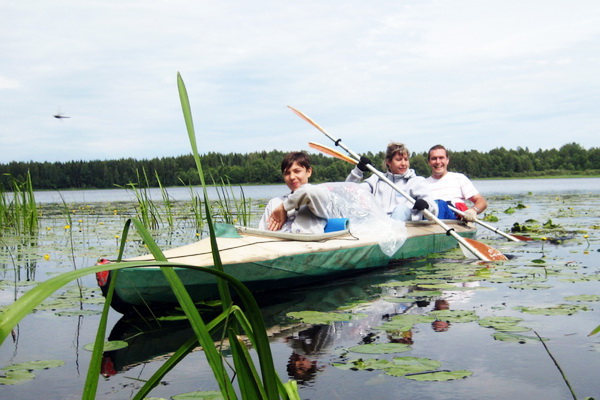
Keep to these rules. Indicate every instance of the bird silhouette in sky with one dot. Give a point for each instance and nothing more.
(60, 115)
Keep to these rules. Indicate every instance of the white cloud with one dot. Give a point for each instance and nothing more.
(476, 74)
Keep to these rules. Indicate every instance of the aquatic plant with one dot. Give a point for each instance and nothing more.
(167, 203)
(146, 209)
(18, 210)
(231, 210)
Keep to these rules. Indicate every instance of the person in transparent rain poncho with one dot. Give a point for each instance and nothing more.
(397, 164)
(308, 208)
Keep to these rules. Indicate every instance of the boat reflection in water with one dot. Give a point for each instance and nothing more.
(151, 340)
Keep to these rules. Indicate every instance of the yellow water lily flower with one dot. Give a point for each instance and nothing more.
(46, 257)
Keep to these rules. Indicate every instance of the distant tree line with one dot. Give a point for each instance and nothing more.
(264, 168)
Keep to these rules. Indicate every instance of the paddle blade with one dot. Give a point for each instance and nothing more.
(332, 152)
(307, 119)
(522, 238)
(489, 252)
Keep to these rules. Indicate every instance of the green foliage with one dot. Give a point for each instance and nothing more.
(18, 210)
(264, 167)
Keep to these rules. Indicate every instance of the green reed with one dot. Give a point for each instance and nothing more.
(18, 210)
(230, 209)
(146, 210)
(196, 209)
(167, 203)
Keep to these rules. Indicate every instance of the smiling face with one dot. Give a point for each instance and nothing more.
(398, 164)
(438, 161)
(296, 175)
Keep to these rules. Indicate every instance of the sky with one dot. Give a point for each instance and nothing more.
(468, 74)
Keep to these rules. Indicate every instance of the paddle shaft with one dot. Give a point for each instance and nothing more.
(491, 228)
(428, 214)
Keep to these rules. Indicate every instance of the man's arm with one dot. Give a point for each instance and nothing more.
(479, 203)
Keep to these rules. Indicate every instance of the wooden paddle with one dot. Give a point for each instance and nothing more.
(342, 156)
(478, 249)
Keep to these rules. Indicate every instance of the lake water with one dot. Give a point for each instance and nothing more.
(487, 187)
(540, 274)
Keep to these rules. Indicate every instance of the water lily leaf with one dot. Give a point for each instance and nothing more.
(510, 337)
(404, 322)
(399, 299)
(560, 309)
(32, 365)
(530, 286)
(367, 364)
(438, 286)
(16, 377)
(510, 328)
(489, 322)
(454, 315)
(408, 365)
(380, 348)
(200, 395)
(324, 318)
(490, 218)
(76, 313)
(57, 304)
(424, 293)
(583, 297)
(440, 376)
(108, 346)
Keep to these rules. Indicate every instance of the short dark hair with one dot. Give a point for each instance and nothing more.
(437, 147)
(299, 157)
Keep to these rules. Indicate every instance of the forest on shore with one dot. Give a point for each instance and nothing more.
(264, 168)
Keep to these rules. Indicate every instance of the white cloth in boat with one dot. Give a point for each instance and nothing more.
(389, 199)
(310, 206)
(308, 209)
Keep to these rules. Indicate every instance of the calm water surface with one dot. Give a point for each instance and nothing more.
(501, 369)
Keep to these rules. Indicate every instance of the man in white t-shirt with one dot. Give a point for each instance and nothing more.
(453, 187)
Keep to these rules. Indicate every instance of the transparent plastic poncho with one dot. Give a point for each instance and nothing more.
(366, 218)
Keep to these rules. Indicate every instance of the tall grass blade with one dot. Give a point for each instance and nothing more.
(189, 123)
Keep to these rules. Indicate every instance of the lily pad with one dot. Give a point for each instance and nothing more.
(440, 376)
(77, 313)
(404, 322)
(489, 321)
(399, 299)
(510, 337)
(16, 377)
(318, 317)
(408, 365)
(454, 315)
(424, 293)
(583, 297)
(560, 309)
(33, 365)
(108, 346)
(367, 364)
(380, 348)
(530, 286)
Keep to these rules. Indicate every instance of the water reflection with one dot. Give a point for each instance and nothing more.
(377, 296)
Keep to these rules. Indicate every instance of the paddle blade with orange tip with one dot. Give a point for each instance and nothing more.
(332, 152)
(489, 252)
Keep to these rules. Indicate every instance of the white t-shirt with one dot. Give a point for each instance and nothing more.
(454, 187)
